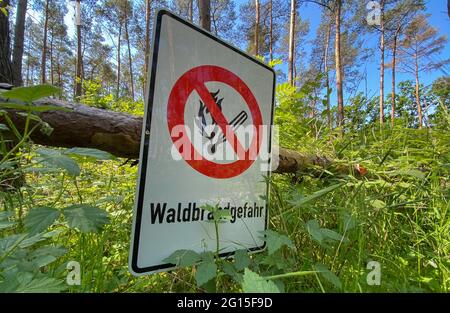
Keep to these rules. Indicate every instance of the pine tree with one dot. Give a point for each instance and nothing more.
(419, 52)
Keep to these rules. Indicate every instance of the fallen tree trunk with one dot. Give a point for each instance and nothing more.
(120, 133)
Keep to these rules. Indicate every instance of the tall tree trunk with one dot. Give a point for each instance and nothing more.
(191, 11)
(18, 42)
(6, 74)
(59, 79)
(337, 55)
(327, 74)
(118, 60)
(419, 105)
(27, 79)
(382, 64)
(16, 179)
(256, 35)
(448, 8)
(44, 45)
(271, 30)
(79, 69)
(148, 9)
(394, 64)
(291, 43)
(51, 57)
(130, 63)
(205, 14)
(59, 70)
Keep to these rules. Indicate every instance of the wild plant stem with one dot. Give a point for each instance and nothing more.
(21, 142)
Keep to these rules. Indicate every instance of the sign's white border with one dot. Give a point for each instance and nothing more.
(145, 142)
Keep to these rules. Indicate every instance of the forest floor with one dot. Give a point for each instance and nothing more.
(385, 231)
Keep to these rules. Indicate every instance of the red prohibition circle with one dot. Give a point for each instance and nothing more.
(195, 79)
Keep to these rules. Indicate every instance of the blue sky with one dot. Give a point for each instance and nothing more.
(438, 18)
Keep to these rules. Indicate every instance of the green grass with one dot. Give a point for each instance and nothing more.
(398, 215)
(325, 225)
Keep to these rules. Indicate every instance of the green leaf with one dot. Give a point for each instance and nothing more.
(86, 218)
(43, 260)
(46, 255)
(40, 218)
(222, 214)
(253, 283)
(207, 256)
(291, 274)
(314, 230)
(332, 235)
(55, 158)
(41, 170)
(9, 284)
(275, 241)
(32, 117)
(205, 272)
(28, 242)
(349, 221)
(14, 106)
(183, 258)
(41, 284)
(45, 108)
(52, 233)
(411, 172)
(241, 259)
(31, 93)
(9, 243)
(328, 275)
(5, 215)
(300, 200)
(6, 224)
(231, 271)
(322, 234)
(3, 127)
(8, 165)
(378, 204)
(91, 153)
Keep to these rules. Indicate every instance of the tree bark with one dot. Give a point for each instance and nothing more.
(120, 134)
(382, 64)
(27, 75)
(79, 69)
(448, 8)
(51, 56)
(417, 93)
(394, 61)
(118, 60)
(256, 35)
(44, 45)
(147, 39)
(327, 75)
(271, 30)
(337, 49)
(6, 74)
(12, 181)
(59, 80)
(18, 42)
(205, 14)
(291, 43)
(191, 11)
(129, 56)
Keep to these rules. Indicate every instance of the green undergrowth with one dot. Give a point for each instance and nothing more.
(383, 198)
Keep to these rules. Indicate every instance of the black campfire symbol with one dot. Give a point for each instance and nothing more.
(208, 126)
